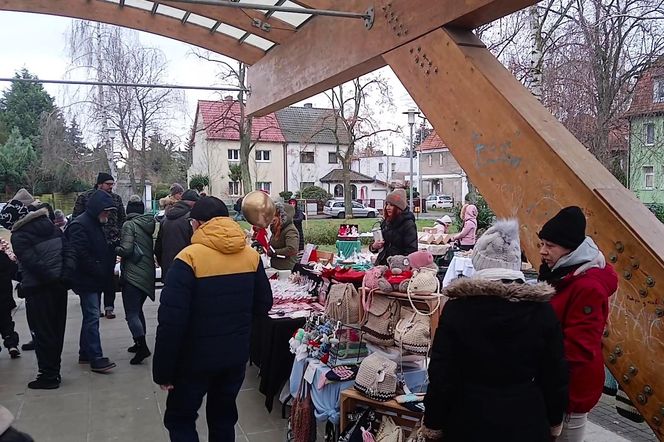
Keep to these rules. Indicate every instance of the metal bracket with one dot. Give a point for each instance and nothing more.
(369, 18)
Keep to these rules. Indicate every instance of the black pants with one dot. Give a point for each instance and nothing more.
(186, 397)
(109, 290)
(7, 331)
(465, 247)
(47, 309)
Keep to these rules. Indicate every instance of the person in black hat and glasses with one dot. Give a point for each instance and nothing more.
(213, 289)
(573, 264)
(112, 230)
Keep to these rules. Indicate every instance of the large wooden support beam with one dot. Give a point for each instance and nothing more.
(329, 51)
(528, 166)
(134, 18)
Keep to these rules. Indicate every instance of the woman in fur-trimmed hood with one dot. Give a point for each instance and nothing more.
(497, 368)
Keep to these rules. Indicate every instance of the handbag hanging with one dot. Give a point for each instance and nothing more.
(343, 303)
(381, 316)
(389, 431)
(377, 378)
(413, 332)
(302, 421)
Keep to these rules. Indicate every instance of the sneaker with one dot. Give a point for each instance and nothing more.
(102, 314)
(102, 365)
(14, 353)
(29, 346)
(110, 314)
(42, 383)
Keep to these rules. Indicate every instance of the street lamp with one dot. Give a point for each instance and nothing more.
(412, 113)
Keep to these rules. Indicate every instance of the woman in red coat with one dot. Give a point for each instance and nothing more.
(575, 266)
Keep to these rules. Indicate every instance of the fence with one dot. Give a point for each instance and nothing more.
(61, 201)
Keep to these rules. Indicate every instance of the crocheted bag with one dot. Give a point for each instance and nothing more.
(302, 422)
(380, 318)
(343, 304)
(413, 332)
(377, 378)
(424, 282)
(389, 431)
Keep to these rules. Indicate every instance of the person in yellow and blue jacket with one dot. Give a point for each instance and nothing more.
(213, 289)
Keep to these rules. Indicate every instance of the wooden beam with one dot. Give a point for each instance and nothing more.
(528, 166)
(240, 18)
(328, 51)
(134, 18)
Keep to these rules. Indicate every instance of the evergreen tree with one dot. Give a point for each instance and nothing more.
(16, 157)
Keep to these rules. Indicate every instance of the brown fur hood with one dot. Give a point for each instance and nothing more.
(515, 292)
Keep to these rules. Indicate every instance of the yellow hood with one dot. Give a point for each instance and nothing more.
(221, 234)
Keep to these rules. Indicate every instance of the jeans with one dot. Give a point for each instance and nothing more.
(90, 342)
(133, 299)
(574, 425)
(187, 395)
(47, 309)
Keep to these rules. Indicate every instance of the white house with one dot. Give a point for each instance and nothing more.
(391, 169)
(363, 187)
(216, 148)
(311, 145)
(441, 173)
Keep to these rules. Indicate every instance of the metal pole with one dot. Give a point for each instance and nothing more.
(411, 167)
(141, 85)
(327, 12)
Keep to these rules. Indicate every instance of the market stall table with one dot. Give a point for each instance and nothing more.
(459, 266)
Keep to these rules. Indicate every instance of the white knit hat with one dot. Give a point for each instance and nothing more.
(499, 247)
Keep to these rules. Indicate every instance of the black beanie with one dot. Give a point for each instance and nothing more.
(135, 207)
(207, 208)
(567, 228)
(103, 177)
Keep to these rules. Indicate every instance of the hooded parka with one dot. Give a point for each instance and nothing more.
(287, 243)
(136, 250)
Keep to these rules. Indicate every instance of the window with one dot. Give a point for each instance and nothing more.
(380, 167)
(393, 167)
(430, 159)
(234, 188)
(332, 158)
(650, 133)
(263, 155)
(305, 184)
(264, 186)
(649, 177)
(658, 90)
(306, 157)
(233, 154)
(440, 159)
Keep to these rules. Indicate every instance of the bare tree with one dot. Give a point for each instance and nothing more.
(354, 104)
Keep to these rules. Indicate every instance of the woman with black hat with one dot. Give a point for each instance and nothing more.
(574, 265)
(398, 229)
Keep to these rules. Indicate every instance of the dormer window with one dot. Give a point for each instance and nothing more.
(658, 90)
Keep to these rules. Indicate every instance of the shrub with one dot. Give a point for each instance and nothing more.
(161, 190)
(657, 209)
(286, 195)
(315, 193)
(199, 182)
(485, 216)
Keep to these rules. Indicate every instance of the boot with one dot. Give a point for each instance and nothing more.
(28, 346)
(133, 348)
(142, 351)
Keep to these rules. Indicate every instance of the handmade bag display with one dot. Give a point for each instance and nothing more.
(424, 282)
(302, 422)
(380, 318)
(377, 378)
(343, 303)
(389, 431)
(413, 332)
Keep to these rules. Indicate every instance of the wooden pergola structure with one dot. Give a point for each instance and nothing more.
(523, 161)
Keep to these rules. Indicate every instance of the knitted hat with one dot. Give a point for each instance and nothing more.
(207, 208)
(567, 228)
(176, 189)
(444, 220)
(499, 247)
(190, 195)
(103, 177)
(24, 197)
(135, 205)
(397, 198)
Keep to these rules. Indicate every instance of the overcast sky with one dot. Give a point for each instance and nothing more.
(38, 43)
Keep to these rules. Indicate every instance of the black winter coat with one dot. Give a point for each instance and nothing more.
(400, 237)
(94, 255)
(112, 229)
(497, 370)
(174, 235)
(43, 257)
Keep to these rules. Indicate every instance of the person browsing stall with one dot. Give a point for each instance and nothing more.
(285, 240)
(466, 237)
(573, 264)
(398, 229)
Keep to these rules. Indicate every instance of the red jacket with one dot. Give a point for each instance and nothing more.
(582, 306)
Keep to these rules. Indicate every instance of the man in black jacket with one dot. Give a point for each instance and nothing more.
(174, 231)
(111, 229)
(45, 263)
(94, 255)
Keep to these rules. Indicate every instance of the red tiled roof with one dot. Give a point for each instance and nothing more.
(642, 97)
(433, 141)
(220, 119)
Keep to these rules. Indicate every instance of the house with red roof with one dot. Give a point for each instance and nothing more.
(216, 148)
(441, 173)
(646, 135)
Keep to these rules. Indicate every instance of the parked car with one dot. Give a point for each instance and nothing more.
(440, 202)
(335, 208)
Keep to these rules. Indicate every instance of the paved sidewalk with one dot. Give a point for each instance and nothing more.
(126, 406)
